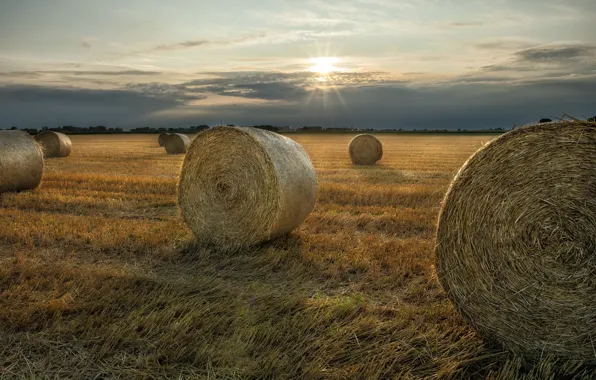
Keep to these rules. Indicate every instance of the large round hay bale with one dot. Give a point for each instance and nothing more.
(54, 144)
(21, 161)
(163, 137)
(240, 186)
(365, 150)
(516, 241)
(177, 143)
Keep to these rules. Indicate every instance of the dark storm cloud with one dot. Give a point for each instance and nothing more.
(43, 94)
(487, 101)
(451, 106)
(35, 106)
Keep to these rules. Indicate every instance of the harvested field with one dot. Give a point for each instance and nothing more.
(100, 277)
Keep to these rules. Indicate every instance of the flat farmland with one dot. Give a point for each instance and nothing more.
(100, 278)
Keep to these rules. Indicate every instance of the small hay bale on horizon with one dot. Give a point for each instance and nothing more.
(516, 241)
(54, 144)
(177, 143)
(21, 162)
(163, 137)
(365, 149)
(241, 186)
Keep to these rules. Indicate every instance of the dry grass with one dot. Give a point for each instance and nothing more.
(100, 277)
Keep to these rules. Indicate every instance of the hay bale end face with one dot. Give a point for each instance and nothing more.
(516, 241)
(54, 144)
(365, 150)
(177, 143)
(241, 186)
(163, 137)
(21, 162)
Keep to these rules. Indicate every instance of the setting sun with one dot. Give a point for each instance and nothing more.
(323, 65)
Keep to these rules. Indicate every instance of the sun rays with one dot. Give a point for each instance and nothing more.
(325, 80)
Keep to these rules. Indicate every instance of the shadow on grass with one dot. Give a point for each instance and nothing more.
(281, 254)
(379, 174)
(262, 313)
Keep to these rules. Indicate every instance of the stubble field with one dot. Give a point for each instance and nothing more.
(100, 278)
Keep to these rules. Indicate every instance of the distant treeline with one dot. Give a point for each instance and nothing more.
(100, 129)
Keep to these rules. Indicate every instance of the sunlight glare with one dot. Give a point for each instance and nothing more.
(323, 65)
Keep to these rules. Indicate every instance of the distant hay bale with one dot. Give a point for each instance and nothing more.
(54, 144)
(241, 186)
(21, 161)
(516, 241)
(365, 150)
(177, 143)
(163, 137)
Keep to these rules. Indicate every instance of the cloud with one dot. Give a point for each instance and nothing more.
(20, 74)
(466, 24)
(450, 106)
(503, 44)
(177, 92)
(265, 91)
(294, 86)
(506, 67)
(85, 44)
(557, 53)
(38, 73)
(204, 43)
(182, 45)
(35, 106)
(549, 61)
(474, 102)
(100, 97)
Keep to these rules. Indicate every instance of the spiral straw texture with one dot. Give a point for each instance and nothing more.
(21, 161)
(163, 137)
(516, 241)
(241, 186)
(54, 144)
(177, 143)
(365, 150)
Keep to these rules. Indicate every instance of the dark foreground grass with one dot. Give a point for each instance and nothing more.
(99, 277)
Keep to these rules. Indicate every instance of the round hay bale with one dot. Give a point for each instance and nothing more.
(516, 241)
(163, 137)
(365, 150)
(177, 143)
(21, 161)
(54, 144)
(241, 186)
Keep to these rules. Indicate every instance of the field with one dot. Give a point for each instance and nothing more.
(100, 278)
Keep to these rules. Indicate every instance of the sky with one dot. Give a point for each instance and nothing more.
(447, 64)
